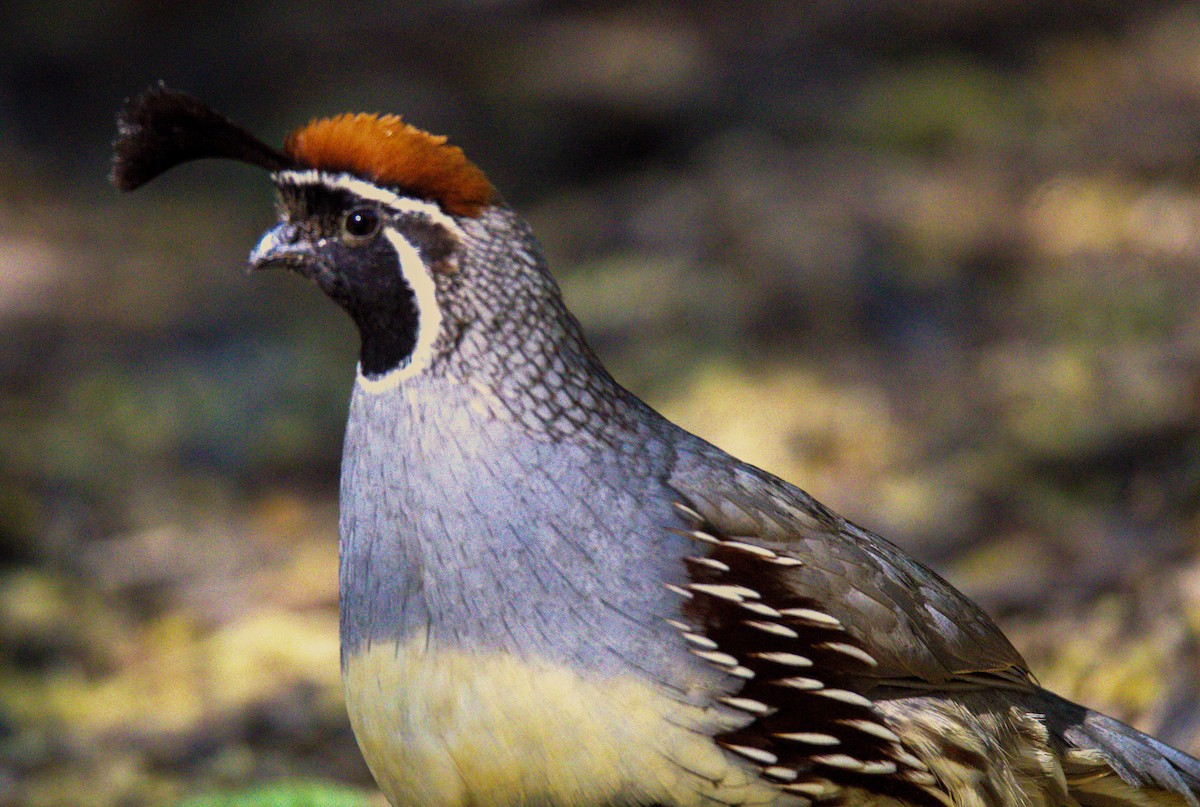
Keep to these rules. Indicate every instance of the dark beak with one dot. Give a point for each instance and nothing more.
(285, 245)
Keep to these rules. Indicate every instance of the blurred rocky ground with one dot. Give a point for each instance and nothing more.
(936, 262)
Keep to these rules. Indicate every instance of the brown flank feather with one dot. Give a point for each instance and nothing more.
(385, 149)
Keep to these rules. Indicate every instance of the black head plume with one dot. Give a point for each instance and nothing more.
(162, 128)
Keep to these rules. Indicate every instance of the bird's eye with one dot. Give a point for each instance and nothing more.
(361, 223)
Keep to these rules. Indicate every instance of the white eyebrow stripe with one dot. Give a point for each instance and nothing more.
(371, 193)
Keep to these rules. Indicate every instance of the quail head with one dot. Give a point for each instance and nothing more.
(551, 595)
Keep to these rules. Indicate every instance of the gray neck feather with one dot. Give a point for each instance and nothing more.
(457, 521)
(512, 497)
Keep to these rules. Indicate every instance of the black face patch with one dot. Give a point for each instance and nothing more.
(322, 210)
(319, 210)
(366, 277)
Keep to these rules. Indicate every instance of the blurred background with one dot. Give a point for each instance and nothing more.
(936, 262)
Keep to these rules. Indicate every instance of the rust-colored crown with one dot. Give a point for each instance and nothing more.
(162, 128)
(385, 149)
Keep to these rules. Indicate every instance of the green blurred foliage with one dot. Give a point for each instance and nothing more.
(283, 795)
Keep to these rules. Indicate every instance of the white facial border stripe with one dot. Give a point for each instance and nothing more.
(371, 193)
(429, 317)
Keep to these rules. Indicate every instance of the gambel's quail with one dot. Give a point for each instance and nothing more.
(551, 595)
